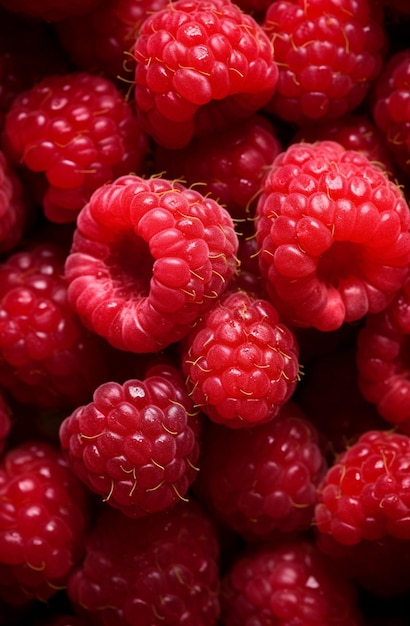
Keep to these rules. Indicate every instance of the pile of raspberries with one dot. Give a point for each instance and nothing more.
(204, 313)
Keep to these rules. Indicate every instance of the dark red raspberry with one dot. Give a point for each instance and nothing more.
(328, 54)
(201, 65)
(241, 361)
(365, 493)
(47, 357)
(136, 444)
(44, 517)
(79, 133)
(15, 208)
(103, 39)
(229, 165)
(383, 362)
(50, 10)
(262, 480)
(164, 570)
(287, 585)
(390, 109)
(334, 235)
(148, 258)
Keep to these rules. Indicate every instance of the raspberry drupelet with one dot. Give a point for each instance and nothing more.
(164, 569)
(328, 54)
(262, 481)
(77, 132)
(149, 257)
(201, 65)
(333, 233)
(241, 361)
(136, 444)
(44, 521)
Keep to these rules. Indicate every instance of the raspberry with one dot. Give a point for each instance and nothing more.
(382, 360)
(201, 65)
(164, 567)
(148, 258)
(262, 480)
(44, 515)
(365, 493)
(285, 585)
(229, 165)
(334, 235)
(136, 444)
(241, 362)
(47, 357)
(50, 10)
(79, 133)
(390, 112)
(103, 39)
(328, 53)
(15, 209)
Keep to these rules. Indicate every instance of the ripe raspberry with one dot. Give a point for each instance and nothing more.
(47, 357)
(43, 522)
(285, 585)
(136, 444)
(102, 40)
(390, 111)
(78, 131)
(50, 10)
(382, 360)
(15, 209)
(334, 235)
(201, 65)
(328, 53)
(241, 362)
(262, 480)
(164, 567)
(148, 258)
(229, 165)
(365, 493)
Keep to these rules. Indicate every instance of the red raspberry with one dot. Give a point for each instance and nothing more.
(262, 480)
(328, 53)
(102, 40)
(47, 357)
(78, 131)
(136, 444)
(287, 585)
(50, 10)
(201, 65)
(164, 567)
(382, 360)
(390, 111)
(334, 235)
(365, 493)
(241, 362)
(43, 522)
(229, 165)
(148, 258)
(15, 209)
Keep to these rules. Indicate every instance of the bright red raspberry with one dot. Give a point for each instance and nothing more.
(103, 39)
(50, 10)
(241, 361)
(262, 480)
(390, 111)
(15, 208)
(149, 257)
(201, 65)
(79, 133)
(365, 493)
(382, 360)
(328, 54)
(334, 235)
(164, 567)
(287, 585)
(229, 165)
(48, 358)
(44, 518)
(136, 444)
